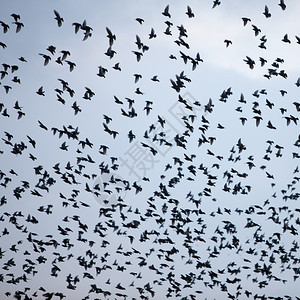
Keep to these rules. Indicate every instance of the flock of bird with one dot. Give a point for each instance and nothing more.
(152, 246)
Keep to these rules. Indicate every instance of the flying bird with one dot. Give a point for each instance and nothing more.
(166, 12)
(140, 20)
(19, 26)
(266, 12)
(250, 62)
(189, 12)
(245, 20)
(41, 91)
(282, 4)
(58, 18)
(216, 3)
(227, 43)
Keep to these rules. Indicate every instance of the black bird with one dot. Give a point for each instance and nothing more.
(19, 26)
(246, 20)
(262, 61)
(51, 49)
(71, 64)
(5, 26)
(46, 57)
(286, 39)
(152, 34)
(58, 18)
(250, 62)
(41, 91)
(117, 67)
(102, 71)
(42, 125)
(22, 59)
(227, 42)
(65, 54)
(266, 12)
(111, 36)
(15, 16)
(270, 125)
(216, 3)
(166, 12)
(138, 55)
(189, 12)
(77, 26)
(256, 30)
(3, 45)
(137, 77)
(282, 4)
(257, 120)
(131, 136)
(140, 20)
(31, 141)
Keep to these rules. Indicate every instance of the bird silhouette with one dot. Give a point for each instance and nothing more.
(170, 225)
(166, 12)
(58, 18)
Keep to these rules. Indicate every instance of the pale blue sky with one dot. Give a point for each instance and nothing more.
(222, 68)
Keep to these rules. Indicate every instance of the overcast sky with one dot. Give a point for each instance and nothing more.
(261, 162)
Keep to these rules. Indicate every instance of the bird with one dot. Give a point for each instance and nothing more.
(19, 26)
(216, 3)
(111, 36)
(22, 59)
(189, 12)
(3, 45)
(256, 30)
(166, 12)
(102, 71)
(270, 125)
(42, 125)
(257, 120)
(138, 55)
(41, 91)
(4, 26)
(152, 34)
(250, 62)
(227, 43)
(16, 17)
(77, 26)
(65, 54)
(131, 136)
(154, 78)
(58, 18)
(46, 57)
(282, 4)
(286, 39)
(137, 77)
(51, 49)
(72, 65)
(245, 20)
(243, 120)
(266, 12)
(117, 67)
(140, 20)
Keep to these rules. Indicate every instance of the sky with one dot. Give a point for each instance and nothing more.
(185, 201)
